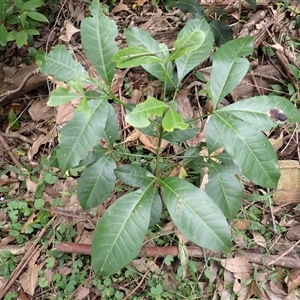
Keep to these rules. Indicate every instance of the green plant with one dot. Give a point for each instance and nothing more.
(7, 263)
(19, 21)
(237, 146)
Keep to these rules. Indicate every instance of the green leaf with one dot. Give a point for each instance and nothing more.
(61, 96)
(172, 119)
(3, 8)
(190, 60)
(222, 33)
(61, 65)
(229, 68)
(32, 31)
(297, 23)
(37, 16)
(96, 183)
(225, 189)
(187, 42)
(178, 136)
(139, 116)
(111, 127)
(248, 147)
(193, 158)
(98, 35)
(21, 38)
(120, 233)
(81, 133)
(134, 175)
(195, 214)
(31, 4)
(156, 209)
(256, 111)
(142, 39)
(134, 56)
(3, 35)
(252, 4)
(12, 35)
(187, 6)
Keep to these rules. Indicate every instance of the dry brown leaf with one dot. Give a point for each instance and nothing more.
(29, 279)
(42, 139)
(293, 280)
(279, 295)
(70, 30)
(81, 293)
(259, 239)
(184, 104)
(242, 224)
(141, 2)
(143, 265)
(237, 265)
(120, 7)
(40, 111)
(133, 136)
(288, 189)
(64, 113)
(31, 185)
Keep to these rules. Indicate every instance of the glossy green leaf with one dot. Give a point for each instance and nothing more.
(3, 8)
(120, 232)
(141, 38)
(32, 31)
(229, 67)
(98, 35)
(61, 96)
(259, 111)
(37, 16)
(134, 175)
(248, 147)
(187, 42)
(172, 119)
(21, 38)
(3, 35)
(252, 4)
(60, 63)
(222, 33)
(139, 116)
(190, 60)
(225, 189)
(96, 183)
(177, 136)
(134, 56)
(187, 6)
(192, 157)
(31, 4)
(156, 209)
(111, 127)
(81, 133)
(297, 23)
(195, 214)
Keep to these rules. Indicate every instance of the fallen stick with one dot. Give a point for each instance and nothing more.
(193, 251)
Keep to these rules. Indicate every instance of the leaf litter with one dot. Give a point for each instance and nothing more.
(244, 275)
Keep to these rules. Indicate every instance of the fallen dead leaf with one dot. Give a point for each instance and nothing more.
(28, 280)
(70, 30)
(293, 280)
(42, 139)
(40, 111)
(259, 239)
(81, 293)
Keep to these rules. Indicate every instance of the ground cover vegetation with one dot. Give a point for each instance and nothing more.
(160, 151)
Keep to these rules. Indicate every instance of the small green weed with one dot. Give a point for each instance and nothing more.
(19, 21)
